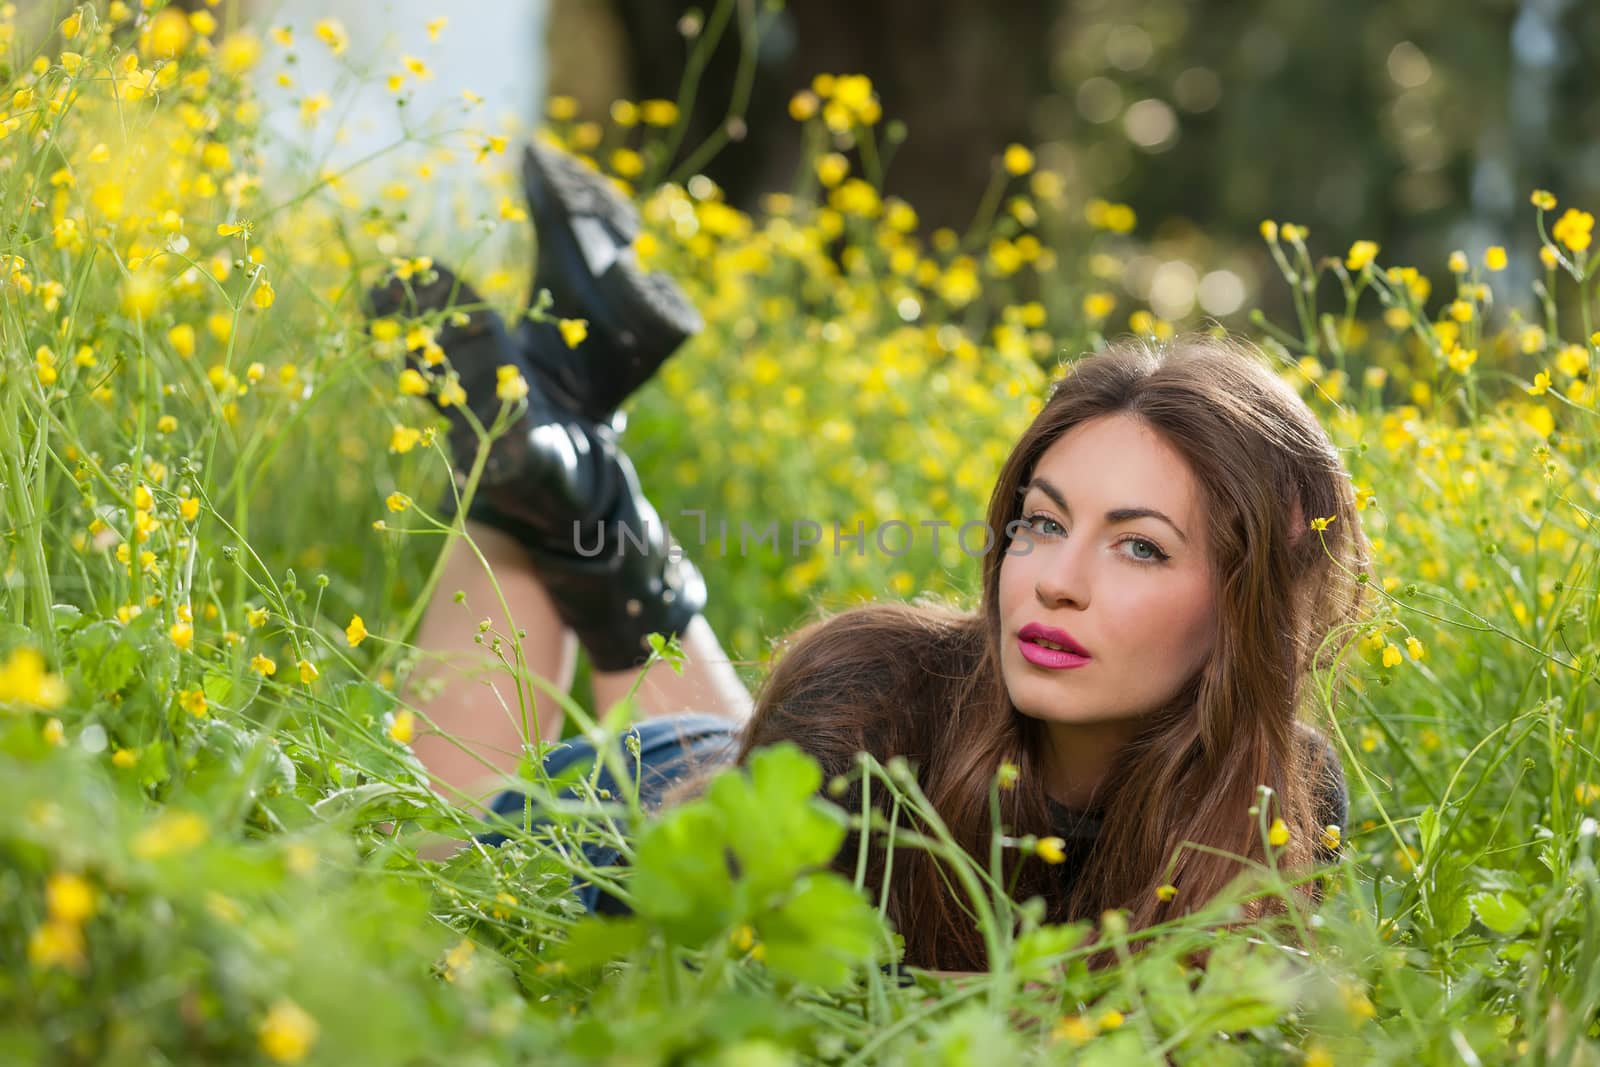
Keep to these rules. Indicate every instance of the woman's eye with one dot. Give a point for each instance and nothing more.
(1037, 523)
(1152, 554)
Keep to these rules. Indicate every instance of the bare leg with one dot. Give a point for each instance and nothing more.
(469, 695)
(708, 682)
(471, 698)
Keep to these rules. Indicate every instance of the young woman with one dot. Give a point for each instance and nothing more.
(1153, 602)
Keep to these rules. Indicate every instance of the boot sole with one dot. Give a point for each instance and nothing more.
(644, 317)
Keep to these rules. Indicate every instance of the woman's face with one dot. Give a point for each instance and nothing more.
(1133, 591)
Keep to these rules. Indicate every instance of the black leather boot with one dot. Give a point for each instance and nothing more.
(560, 483)
(585, 231)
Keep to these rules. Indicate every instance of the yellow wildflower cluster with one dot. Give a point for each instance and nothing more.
(70, 902)
(26, 682)
(843, 101)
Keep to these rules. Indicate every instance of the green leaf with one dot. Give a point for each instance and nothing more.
(107, 658)
(1243, 988)
(1038, 949)
(1501, 912)
(373, 801)
(596, 941)
(822, 934)
(681, 876)
(1428, 827)
(1448, 910)
(776, 825)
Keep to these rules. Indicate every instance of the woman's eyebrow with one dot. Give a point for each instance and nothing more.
(1113, 516)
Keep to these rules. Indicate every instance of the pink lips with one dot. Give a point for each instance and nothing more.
(1071, 654)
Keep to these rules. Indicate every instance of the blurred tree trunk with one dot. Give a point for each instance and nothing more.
(961, 74)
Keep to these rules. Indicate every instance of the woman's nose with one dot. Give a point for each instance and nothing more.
(1063, 577)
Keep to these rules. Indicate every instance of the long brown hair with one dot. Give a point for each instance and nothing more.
(923, 680)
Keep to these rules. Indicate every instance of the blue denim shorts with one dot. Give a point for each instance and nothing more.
(669, 747)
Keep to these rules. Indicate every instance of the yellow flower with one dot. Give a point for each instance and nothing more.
(1391, 655)
(435, 26)
(312, 107)
(1073, 1028)
(71, 26)
(193, 701)
(412, 383)
(1018, 160)
(1050, 849)
(1414, 647)
(68, 898)
(1458, 262)
(1278, 834)
(1111, 1020)
(1541, 384)
(166, 424)
(256, 617)
(25, 682)
(510, 384)
(356, 632)
(288, 1033)
(1006, 776)
(1331, 838)
(242, 228)
(189, 509)
(1543, 200)
(1322, 524)
(1269, 229)
(403, 439)
(1573, 229)
(1494, 258)
(1461, 310)
(494, 143)
(1361, 253)
(308, 671)
(417, 67)
(332, 33)
(397, 502)
(660, 113)
(57, 944)
(451, 393)
(561, 108)
(802, 105)
(263, 665)
(182, 634)
(1098, 305)
(832, 168)
(1462, 359)
(171, 832)
(263, 295)
(1166, 892)
(45, 361)
(168, 34)
(573, 331)
(404, 726)
(627, 163)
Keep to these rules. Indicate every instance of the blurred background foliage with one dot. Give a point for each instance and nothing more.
(1420, 126)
